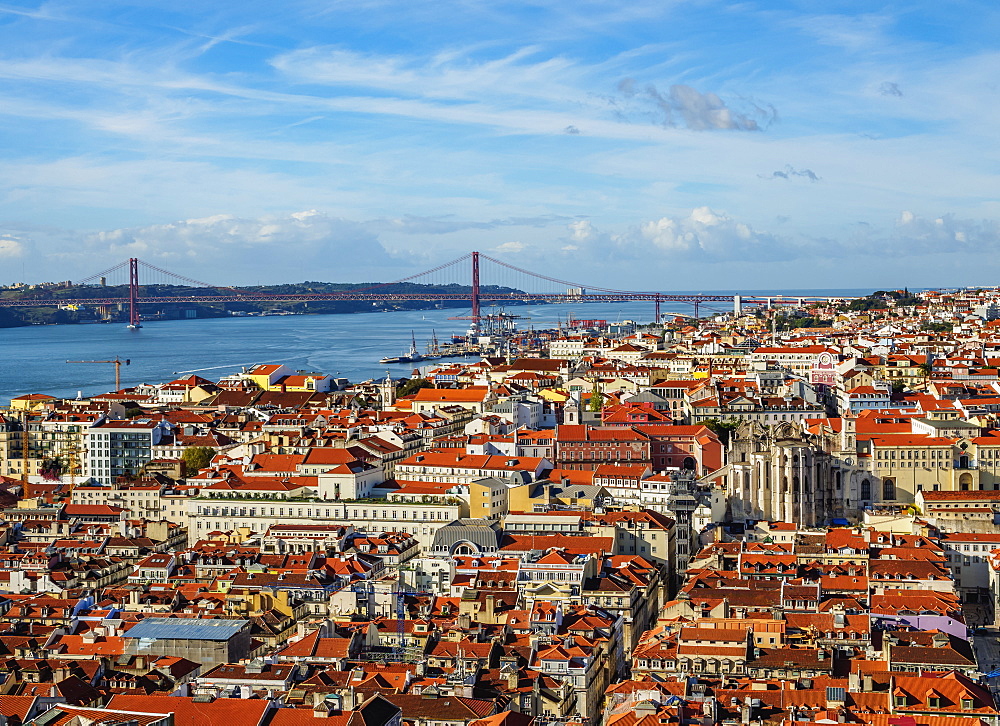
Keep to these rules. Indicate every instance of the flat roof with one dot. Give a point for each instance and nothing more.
(185, 629)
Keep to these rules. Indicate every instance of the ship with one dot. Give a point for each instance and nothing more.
(413, 356)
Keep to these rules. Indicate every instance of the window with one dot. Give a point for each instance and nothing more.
(889, 489)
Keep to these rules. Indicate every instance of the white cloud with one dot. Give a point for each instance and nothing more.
(682, 104)
(450, 223)
(914, 235)
(707, 235)
(10, 246)
(581, 230)
(510, 247)
(703, 234)
(447, 75)
(853, 33)
(298, 246)
(790, 172)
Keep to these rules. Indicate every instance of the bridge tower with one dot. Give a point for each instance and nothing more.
(475, 288)
(133, 293)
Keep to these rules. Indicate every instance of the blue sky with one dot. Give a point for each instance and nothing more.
(654, 145)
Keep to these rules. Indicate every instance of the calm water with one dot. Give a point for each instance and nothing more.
(33, 359)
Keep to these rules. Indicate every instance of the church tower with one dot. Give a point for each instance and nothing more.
(387, 392)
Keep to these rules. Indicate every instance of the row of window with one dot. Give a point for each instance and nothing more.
(438, 515)
(912, 464)
(912, 454)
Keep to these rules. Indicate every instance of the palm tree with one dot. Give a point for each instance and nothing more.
(925, 369)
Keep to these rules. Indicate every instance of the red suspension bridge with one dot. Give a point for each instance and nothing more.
(477, 278)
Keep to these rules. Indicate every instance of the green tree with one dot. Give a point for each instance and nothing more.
(721, 428)
(196, 458)
(936, 327)
(408, 388)
(596, 402)
(875, 301)
(925, 370)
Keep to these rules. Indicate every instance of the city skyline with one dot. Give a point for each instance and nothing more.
(659, 146)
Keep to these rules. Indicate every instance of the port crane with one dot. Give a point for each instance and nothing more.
(118, 363)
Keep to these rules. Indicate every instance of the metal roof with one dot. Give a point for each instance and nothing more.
(184, 629)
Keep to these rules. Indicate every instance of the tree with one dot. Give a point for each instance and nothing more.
(196, 458)
(925, 370)
(411, 386)
(875, 301)
(722, 429)
(596, 402)
(935, 327)
(51, 469)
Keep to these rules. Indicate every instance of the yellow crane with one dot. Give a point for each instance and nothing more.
(72, 451)
(25, 457)
(118, 362)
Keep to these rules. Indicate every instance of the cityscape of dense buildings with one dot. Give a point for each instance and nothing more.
(787, 517)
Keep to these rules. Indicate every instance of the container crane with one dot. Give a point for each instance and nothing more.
(118, 362)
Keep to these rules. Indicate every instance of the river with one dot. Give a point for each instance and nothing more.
(34, 359)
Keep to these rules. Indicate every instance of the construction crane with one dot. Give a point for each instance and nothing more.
(118, 362)
(25, 457)
(73, 453)
(366, 589)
